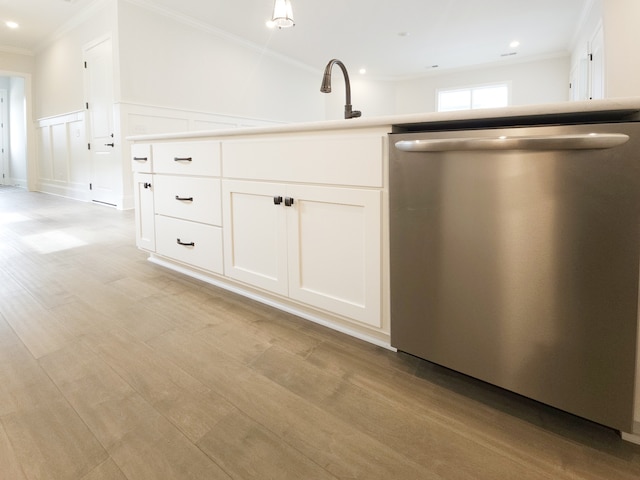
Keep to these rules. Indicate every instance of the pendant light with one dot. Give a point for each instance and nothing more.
(282, 14)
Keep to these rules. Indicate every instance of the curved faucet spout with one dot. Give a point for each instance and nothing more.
(326, 87)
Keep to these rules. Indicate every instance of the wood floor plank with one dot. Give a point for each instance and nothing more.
(37, 328)
(9, 463)
(248, 451)
(332, 443)
(24, 385)
(107, 404)
(426, 440)
(149, 374)
(107, 470)
(52, 443)
(160, 452)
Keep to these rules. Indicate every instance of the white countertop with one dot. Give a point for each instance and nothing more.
(589, 106)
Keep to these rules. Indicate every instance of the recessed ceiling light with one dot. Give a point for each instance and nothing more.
(11, 24)
(404, 34)
(514, 44)
(362, 71)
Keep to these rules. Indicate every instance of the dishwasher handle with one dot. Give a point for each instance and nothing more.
(588, 141)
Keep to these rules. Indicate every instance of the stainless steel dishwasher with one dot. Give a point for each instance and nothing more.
(515, 259)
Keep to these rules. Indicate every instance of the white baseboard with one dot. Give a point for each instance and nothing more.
(284, 305)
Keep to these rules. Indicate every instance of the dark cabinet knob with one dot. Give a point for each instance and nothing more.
(288, 201)
(277, 200)
(146, 185)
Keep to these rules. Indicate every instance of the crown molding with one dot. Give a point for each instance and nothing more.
(81, 17)
(16, 51)
(207, 28)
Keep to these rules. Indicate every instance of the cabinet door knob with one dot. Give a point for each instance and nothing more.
(184, 199)
(277, 200)
(288, 201)
(186, 244)
(146, 185)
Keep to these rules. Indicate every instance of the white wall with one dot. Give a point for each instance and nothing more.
(59, 84)
(16, 62)
(535, 82)
(166, 62)
(621, 23)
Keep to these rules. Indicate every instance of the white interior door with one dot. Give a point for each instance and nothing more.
(4, 142)
(597, 65)
(105, 165)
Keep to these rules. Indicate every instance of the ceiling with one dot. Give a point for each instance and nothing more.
(397, 38)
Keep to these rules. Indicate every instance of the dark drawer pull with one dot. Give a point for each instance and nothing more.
(288, 201)
(184, 199)
(140, 159)
(277, 200)
(182, 159)
(186, 244)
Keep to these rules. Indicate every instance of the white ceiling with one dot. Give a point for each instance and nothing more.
(361, 33)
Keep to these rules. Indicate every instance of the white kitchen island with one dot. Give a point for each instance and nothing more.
(296, 216)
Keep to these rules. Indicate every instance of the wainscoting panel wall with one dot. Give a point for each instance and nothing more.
(63, 161)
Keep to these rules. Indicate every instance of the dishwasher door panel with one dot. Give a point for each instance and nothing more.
(520, 267)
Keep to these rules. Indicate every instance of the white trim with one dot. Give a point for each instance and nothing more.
(61, 118)
(195, 23)
(5, 147)
(17, 51)
(272, 302)
(632, 437)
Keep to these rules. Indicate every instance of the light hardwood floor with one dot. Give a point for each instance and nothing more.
(114, 368)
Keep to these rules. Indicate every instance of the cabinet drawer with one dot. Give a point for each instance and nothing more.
(191, 198)
(187, 158)
(141, 158)
(355, 160)
(201, 244)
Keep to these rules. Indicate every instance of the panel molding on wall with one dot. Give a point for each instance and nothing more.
(63, 166)
(62, 160)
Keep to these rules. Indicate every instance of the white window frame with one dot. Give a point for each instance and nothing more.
(471, 89)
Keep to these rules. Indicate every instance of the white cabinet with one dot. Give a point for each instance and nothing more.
(144, 213)
(294, 220)
(317, 244)
(177, 198)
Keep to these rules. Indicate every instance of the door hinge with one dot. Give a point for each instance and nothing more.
(86, 104)
(591, 57)
(88, 146)
(85, 64)
(90, 186)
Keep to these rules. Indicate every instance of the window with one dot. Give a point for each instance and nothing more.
(481, 96)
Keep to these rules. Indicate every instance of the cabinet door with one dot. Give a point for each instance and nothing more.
(255, 243)
(144, 214)
(334, 242)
